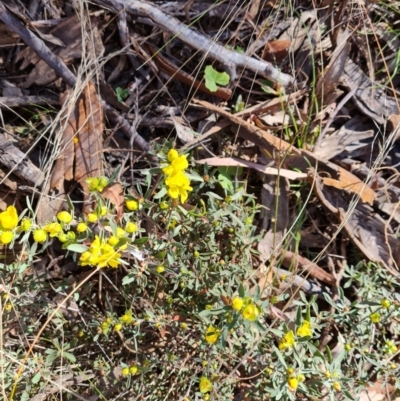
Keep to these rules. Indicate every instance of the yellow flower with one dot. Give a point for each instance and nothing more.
(64, 217)
(305, 329)
(336, 386)
(251, 312)
(131, 228)
(127, 317)
(133, 370)
(125, 372)
(93, 183)
(178, 186)
(205, 385)
(53, 229)
(103, 210)
(6, 237)
(92, 217)
(120, 232)
(62, 237)
(287, 341)
(293, 383)
(25, 224)
(172, 155)
(385, 303)
(118, 327)
(9, 218)
(101, 255)
(301, 378)
(113, 240)
(375, 317)
(81, 227)
(132, 204)
(160, 269)
(237, 303)
(39, 235)
(212, 334)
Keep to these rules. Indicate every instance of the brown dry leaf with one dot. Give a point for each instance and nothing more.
(295, 158)
(276, 50)
(68, 32)
(7, 36)
(115, 194)
(234, 162)
(89, 145)
(377, 392)
(367, 230)
(369, 98)
(63, 168)
(299, 29)
(328, 82)
(348, 138)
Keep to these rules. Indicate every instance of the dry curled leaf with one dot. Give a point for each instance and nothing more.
(115, 194)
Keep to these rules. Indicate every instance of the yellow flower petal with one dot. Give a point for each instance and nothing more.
(305, 329)
(287, 341)
(205, 385)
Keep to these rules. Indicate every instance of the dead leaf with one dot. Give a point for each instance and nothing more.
(327, 83)
(351, 136)
(366, 229)
(115, 194)
(234, 162)
(89, 145)
(369, 97)
(295, 158)
(68, 32)
(276, 50)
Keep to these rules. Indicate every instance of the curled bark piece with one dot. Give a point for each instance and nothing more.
(37, 45)
(200, 42)
(17, 162)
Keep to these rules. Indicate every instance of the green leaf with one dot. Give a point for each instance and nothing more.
(328, 354)
(214, 78)
(69, 356)
(36, 378)
(77, 248)
(225, 182)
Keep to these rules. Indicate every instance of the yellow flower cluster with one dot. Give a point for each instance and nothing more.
(97, 183)
(100, 254)
(288, 340)
(8, 222)
(177, 182)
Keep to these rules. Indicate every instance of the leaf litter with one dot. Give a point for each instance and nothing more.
(345, 151)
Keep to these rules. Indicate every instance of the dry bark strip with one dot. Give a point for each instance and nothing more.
(230, 58)
(17, 163)
(37, 45)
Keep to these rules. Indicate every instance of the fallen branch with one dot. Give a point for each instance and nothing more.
(230, 58)
(61, 69)
(17, 163)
